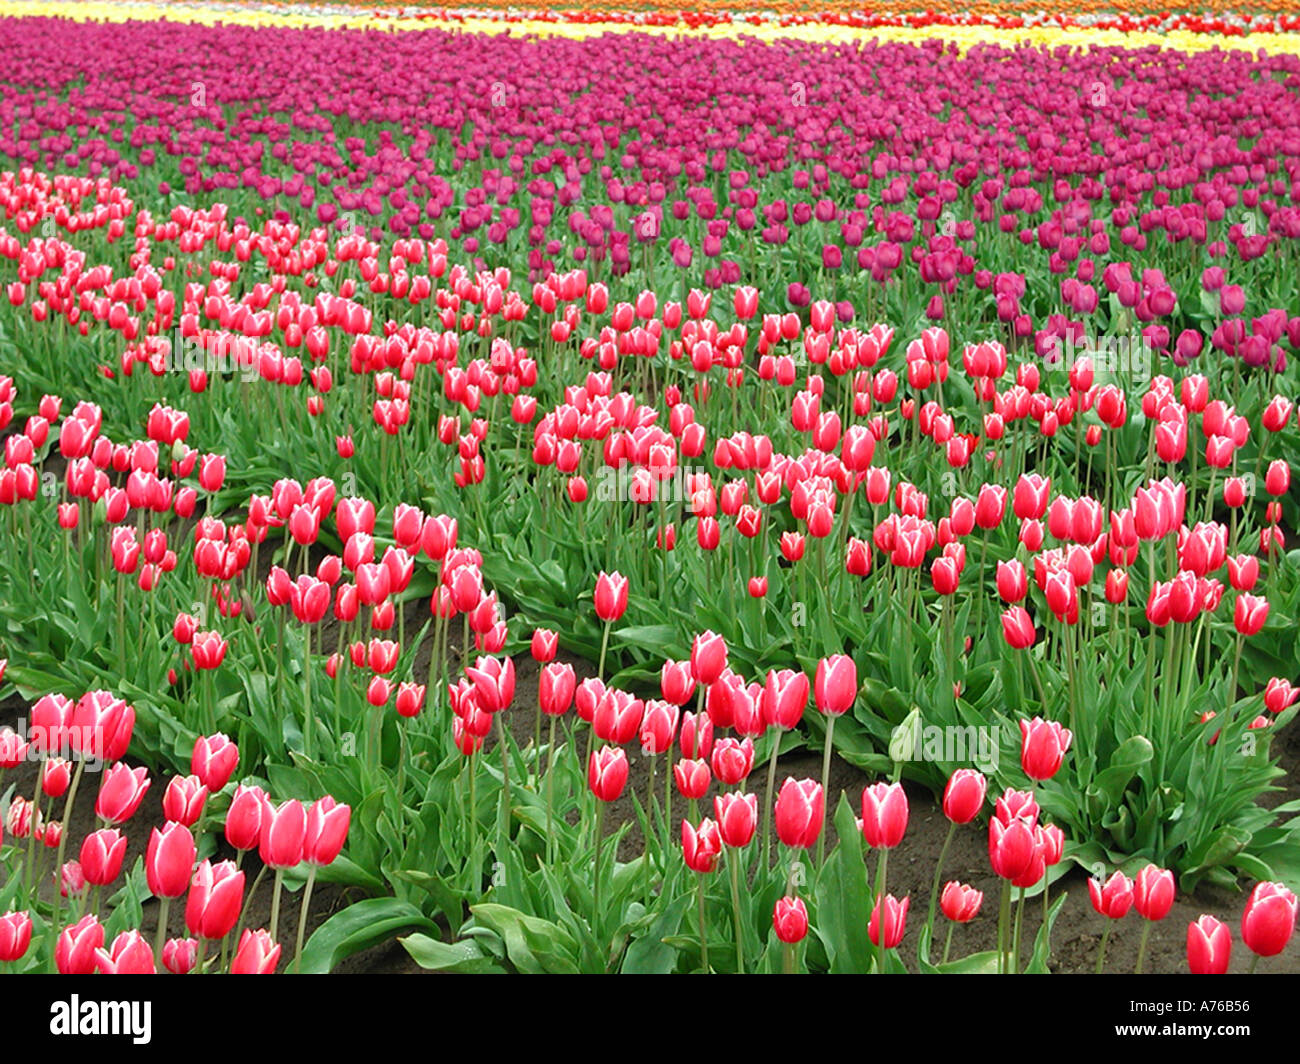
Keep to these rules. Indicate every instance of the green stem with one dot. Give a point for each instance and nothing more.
(826, 775)
(733, 859)
(302, 918)
(1142, 946)
(1101, 951)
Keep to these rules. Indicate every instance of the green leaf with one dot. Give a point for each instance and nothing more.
(359, 926)
(463, 958)
(535, 946)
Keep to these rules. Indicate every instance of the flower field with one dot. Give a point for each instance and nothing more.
(617, 489)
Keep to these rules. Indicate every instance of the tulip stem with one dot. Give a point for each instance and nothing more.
(550, 793)
(505, 777)
(604, 646)
(63, 842)
(733, 859)
(160, 936)
(1142, 946)
(1101, 951)
(275, 904)
(308, 722)
(1015, 940)
(1004, 909)
(652, 828)
(1254, 963)
(881, 871)
(934, 887)
(826, 775)
(947, 942)
(704, 941)
(302, 918)
(767, 802)
(600, 839)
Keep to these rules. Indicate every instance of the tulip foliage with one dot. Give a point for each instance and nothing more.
(908, 420)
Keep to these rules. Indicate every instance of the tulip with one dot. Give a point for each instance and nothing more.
(963, 797)
(180, 954)
(216, 897)
(1113, 900)
(701, 846)
(611, 596)
(960, 903)
(1042, 747)
(894, 922)
(556, 686)
(169, 860)
(129, 955)
(184, 799)
(733, 760)
(1269, 919)
(884, 815)
(800, 811)
(283, 835)
(607, 770)
(214, 761)
(244, 817)
(74, 952)
(708, 658)
(121, 793)
(790, 920)
(1209, 946)
(258, 954)
(692, 776)
(835, 687)
(737, 818)
(1017, 628)
(15, 935)
(326, 829)
(101, 856)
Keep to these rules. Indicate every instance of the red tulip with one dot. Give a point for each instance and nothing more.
(1153, 892)
(184, 799)
(658, 726)
(555, 688)
(283, 834)
(960, 903)
(835, 687)
(121, 793)
(611, 596)
(169, 860)
(257, 954)
(1114, 898)
(708, 657)
(733, 760)
(244, 817)
(1017, 628)
(895, 921)
(607, 773)
(216, 897)
(1269, 919)
(74, 952)
(701, 846)
(676, 682)
(101, 856)
(790, 919)
(544, 645)
(180, 954)
(692, 776)
(1042, 747)
(1012, 847)
(15, 935)
(884, 815)
(737, 817)
(214, 761)
(326, 829)
(800, 809)
(1209, 946)
(963, 797)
